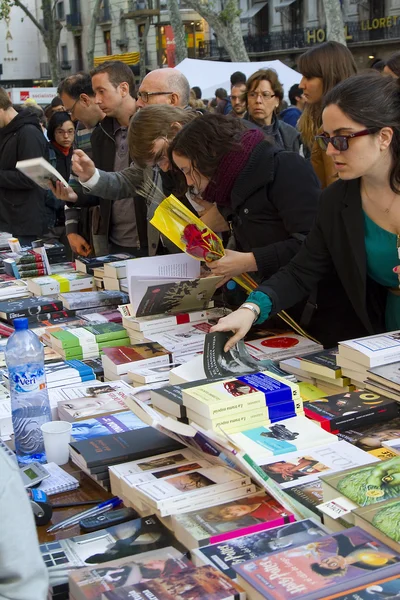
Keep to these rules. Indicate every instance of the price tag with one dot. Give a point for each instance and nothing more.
(339, 507)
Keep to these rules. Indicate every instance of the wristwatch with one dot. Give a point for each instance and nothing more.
(252, 307)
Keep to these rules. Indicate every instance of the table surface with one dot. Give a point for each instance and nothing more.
(87, 490)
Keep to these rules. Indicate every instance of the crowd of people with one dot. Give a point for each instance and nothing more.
(305, 196)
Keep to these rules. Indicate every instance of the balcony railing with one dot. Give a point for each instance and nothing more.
(356, 32)
(74, 20)
(66, 68)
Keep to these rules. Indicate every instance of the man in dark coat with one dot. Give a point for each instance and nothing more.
(22, 202)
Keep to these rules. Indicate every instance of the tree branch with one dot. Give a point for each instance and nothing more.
(30, 15)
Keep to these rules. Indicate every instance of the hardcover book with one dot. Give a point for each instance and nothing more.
(381, 520)
(228, 553)
(310, 572)
(121, 447)
(343, 411)
(25, 307)
(365, 485)
(204, 583)
(229, 520)
(90, 582)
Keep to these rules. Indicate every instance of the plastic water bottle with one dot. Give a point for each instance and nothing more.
(29, 399)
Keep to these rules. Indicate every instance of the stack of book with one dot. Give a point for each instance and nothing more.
(23, 265)
(281, 346)
(115, 275)
(356, 356)
(56, 253)
(87, 341)
(88, 264)
(12, 288)
(57, 284)
(371, 438)
(118, 361)
(93, 301)
(60, 373)
(103, 316)
(29, 307)
(246, 402)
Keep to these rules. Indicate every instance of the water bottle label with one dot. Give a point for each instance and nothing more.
(28, 381)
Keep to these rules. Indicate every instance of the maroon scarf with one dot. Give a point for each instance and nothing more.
(220, 187)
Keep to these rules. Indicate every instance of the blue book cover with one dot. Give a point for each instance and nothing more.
(83, 369)
(275, 391)
(105, 425)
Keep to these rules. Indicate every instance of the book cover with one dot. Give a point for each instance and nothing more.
(370, 437)
(231, 423)
(289, 435)
(91, 399)
(385, 588)
(322, 363)
(203, 583)
(158, 322)
(105, 332)
(226, 554)
(117, 270)
(77, 301)
(366, 485)
(90, 582)
(41, 172)
(373, 350)
(150, 374)
(312, 571)
(230, 520)
(25, 307)
(105, 425)
(189, 336)
(120, 447)
(385, 517)
(308, 494)
(341, 411)
(304, 466)
(278, 347)
(387, 375)
(124, 540)
(120, 358)
(58, 284)
(177, 296)
(218, 363)
(105, 316)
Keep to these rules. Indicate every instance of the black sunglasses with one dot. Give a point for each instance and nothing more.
(341, 142)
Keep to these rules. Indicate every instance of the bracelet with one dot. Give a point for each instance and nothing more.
(253, 309)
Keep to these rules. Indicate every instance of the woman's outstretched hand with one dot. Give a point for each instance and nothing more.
(239, 321)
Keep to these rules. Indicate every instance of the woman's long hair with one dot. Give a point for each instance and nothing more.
(332, 62)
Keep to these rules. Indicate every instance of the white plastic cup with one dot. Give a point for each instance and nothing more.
(56, 437)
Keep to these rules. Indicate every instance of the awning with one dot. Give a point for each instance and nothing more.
(129, 58)
(284, 4)
(249, 14)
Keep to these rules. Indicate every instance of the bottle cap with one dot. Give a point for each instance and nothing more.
(20, 323)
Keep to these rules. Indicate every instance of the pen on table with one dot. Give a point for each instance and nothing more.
(96, 510)
(70, 504)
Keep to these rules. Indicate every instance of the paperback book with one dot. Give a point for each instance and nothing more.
(332, 564)
(93, 399)
(279, 347)
(371, 437)
(87, 264)
(381, 520)
(25, 307)
(119, 360)
(105, 425)
(228, 553)
(59, 284)
(78, 301)
(372, 351)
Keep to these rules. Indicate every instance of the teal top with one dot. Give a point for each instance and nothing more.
(382, 257)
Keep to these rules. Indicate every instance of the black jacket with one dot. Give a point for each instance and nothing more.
(273, 205)
(103, 149)
(335, 242)
(22, 202)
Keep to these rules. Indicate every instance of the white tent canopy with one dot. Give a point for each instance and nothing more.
(210, 75)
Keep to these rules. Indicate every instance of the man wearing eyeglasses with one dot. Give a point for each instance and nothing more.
(164, 86)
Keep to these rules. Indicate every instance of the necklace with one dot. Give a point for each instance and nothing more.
(385, 210)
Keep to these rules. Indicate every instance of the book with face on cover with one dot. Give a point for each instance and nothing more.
(91, 399)
(90, 582)
(203, 583)
(227, 553)
(229, 520)
(371, 437)
(331, 564)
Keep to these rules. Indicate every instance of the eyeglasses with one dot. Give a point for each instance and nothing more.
(341, 142)
(70, 132)
(264, 95)
(71, 110)
(146, 95)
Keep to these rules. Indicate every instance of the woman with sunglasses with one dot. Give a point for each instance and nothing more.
(322, 67)
(357, 230)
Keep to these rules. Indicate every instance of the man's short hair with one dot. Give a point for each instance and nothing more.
(118, 72)
(5, 101)
(237, 78)
(197, 92)
(221, 94)
(75, 85)
(295, 92)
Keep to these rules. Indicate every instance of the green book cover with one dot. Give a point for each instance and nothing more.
(113, 343)
(385, 517)
(66, 339)
(105, 332)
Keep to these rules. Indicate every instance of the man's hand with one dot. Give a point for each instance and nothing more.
(63, 193)
(232, 264)
(239, 322)
(82, 165)
(79, 245)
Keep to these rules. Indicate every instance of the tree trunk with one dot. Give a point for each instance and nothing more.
(334, 21)
(226, 25)
(92, 34)
(178, 29)
(142, 58)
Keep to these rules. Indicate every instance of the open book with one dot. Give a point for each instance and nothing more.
(40, 171)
